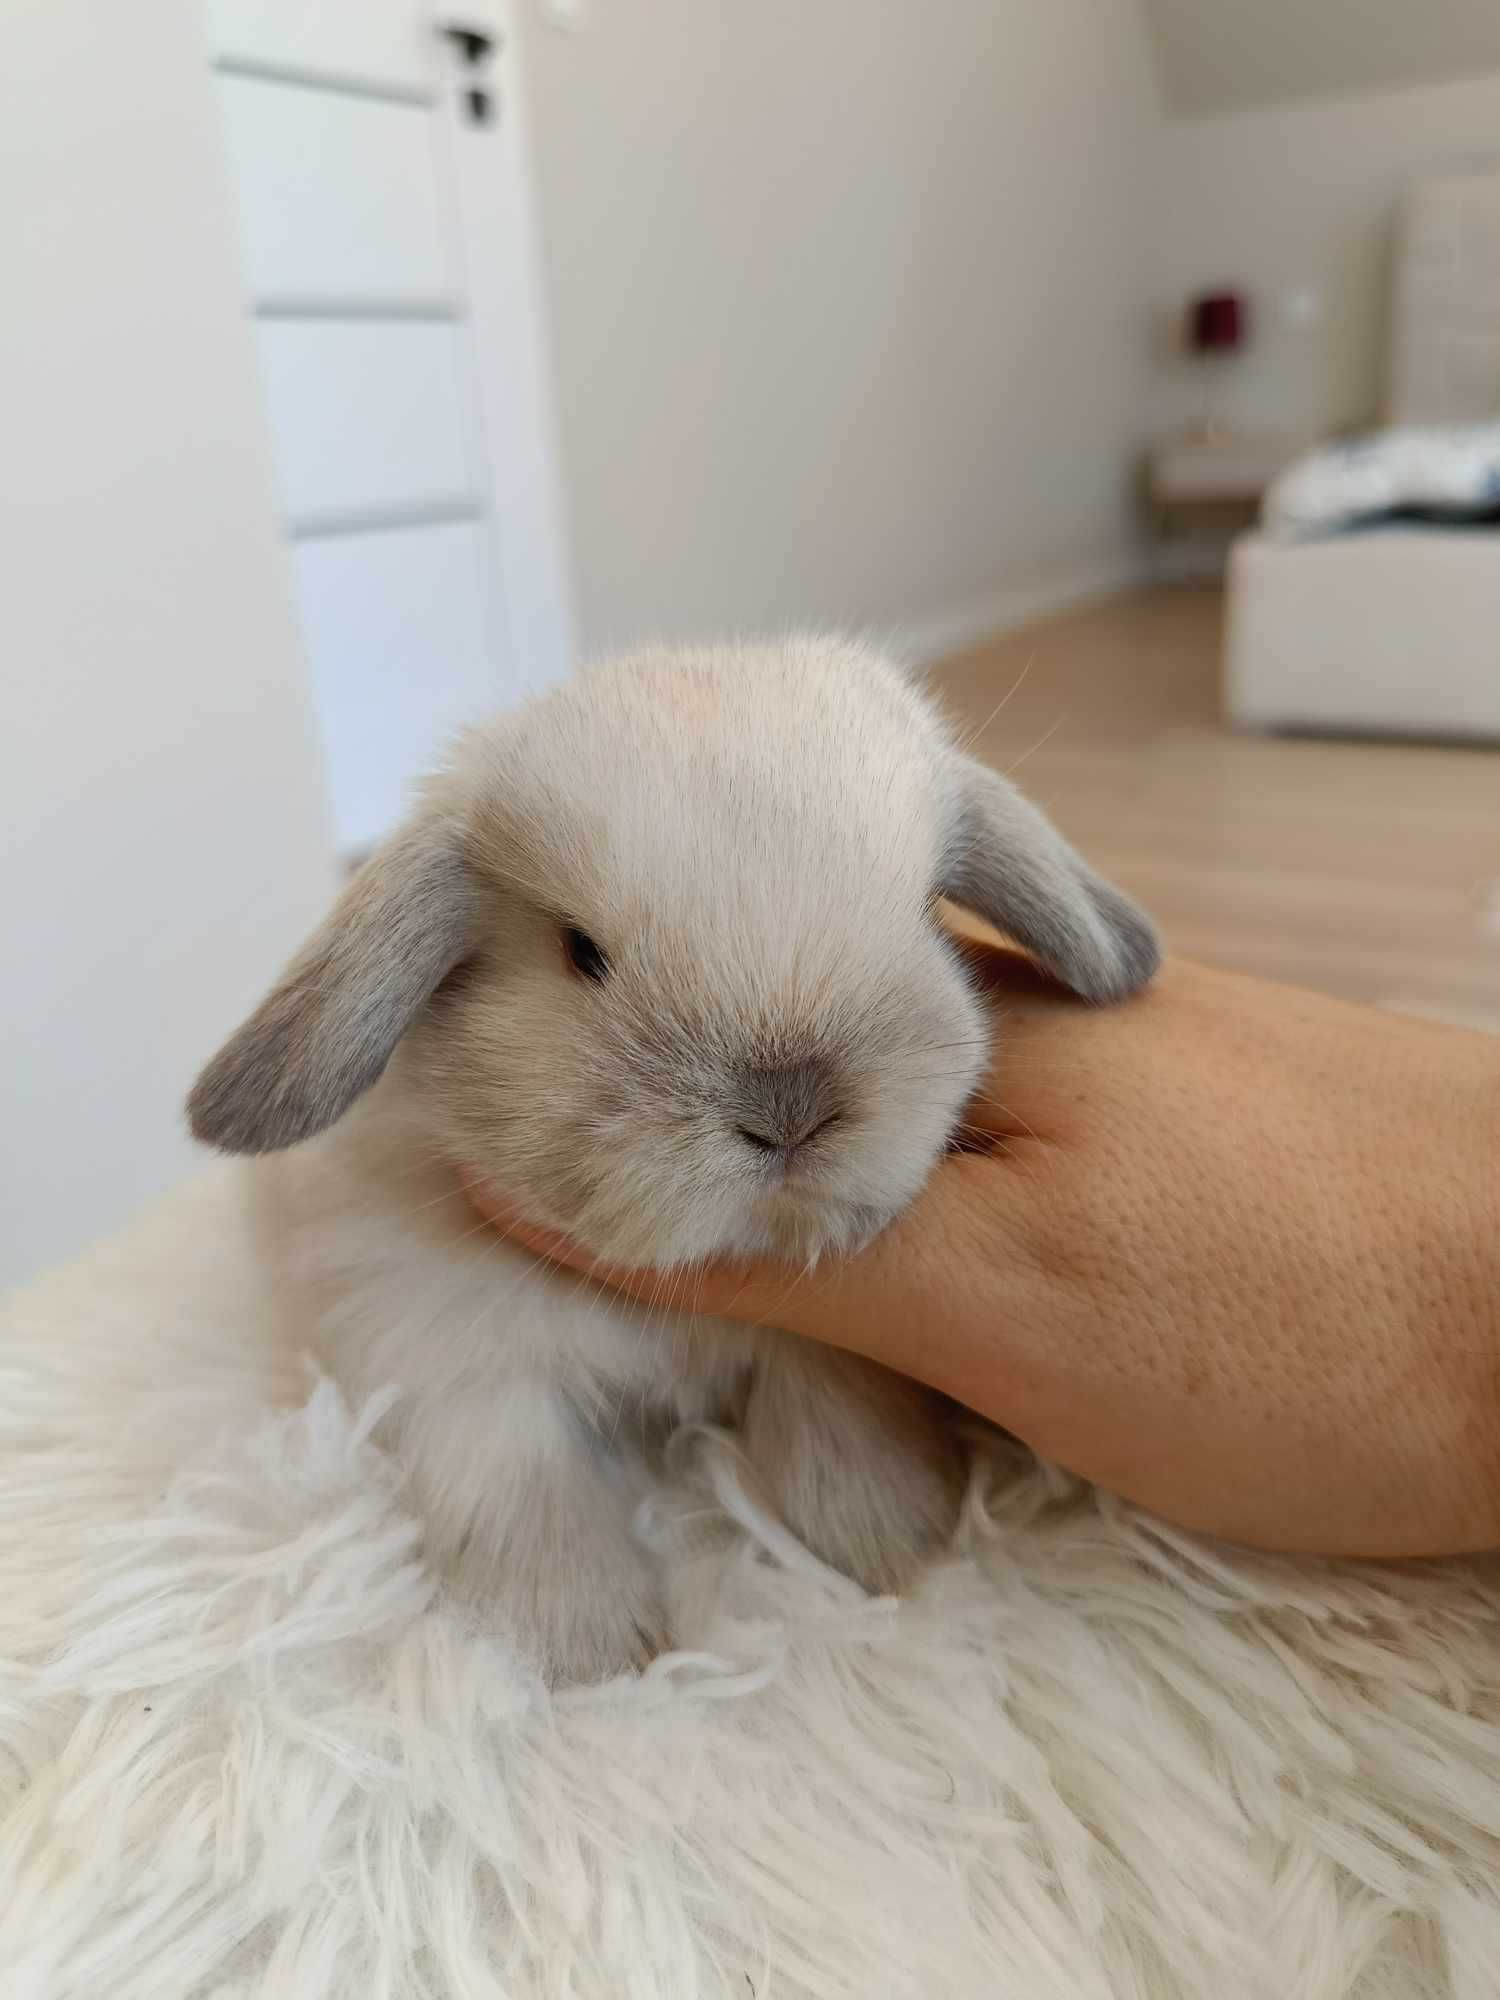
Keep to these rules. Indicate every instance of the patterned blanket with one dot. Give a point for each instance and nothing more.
(1448, 473)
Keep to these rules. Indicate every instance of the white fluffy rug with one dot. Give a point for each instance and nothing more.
(244, 1752)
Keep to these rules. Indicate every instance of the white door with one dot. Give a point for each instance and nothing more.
(377, 155)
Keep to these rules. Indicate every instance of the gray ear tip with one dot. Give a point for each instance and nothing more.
(234, 1109)
(1136, 954)
(217, 1115)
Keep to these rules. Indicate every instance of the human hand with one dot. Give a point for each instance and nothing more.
(1229, 1250)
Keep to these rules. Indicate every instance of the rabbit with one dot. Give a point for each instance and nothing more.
(660, 956)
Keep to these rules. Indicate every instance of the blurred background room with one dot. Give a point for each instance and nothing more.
(1132, 365)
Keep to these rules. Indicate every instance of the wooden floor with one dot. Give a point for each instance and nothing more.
(1369, 870)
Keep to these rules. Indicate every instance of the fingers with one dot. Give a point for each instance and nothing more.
(905, 1300)
(757, 1291)
(1000, 972)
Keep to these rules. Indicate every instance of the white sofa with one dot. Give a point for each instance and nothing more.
(1393, 629)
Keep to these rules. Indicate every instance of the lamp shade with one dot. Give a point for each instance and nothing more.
(1218, 321)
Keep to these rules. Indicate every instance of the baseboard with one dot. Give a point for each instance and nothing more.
(925, 641)
(1188, 562)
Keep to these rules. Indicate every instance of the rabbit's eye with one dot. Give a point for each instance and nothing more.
(584, 955)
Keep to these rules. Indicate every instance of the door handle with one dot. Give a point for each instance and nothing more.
(474, 45)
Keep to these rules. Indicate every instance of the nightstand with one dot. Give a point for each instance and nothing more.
(1199, 483)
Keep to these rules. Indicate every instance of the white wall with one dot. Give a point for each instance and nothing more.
(165, 840)
(847, 303)
(1302, 196)
(1215, 55)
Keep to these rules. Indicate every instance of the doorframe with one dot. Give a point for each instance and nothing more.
(494, 206)
(489, 202)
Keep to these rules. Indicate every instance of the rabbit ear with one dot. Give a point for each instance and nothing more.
(1009, 864)
(325, 1033)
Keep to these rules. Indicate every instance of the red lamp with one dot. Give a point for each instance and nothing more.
(1217, 325)
(1218, 321)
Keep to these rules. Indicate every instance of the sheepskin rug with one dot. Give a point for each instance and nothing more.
(245, 1749)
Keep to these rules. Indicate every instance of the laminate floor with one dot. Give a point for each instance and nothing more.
(1370, 870)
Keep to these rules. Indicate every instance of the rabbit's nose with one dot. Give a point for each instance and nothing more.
(782, 1108)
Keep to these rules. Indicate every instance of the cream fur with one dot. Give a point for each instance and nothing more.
(774, 1050)
(247, 1754)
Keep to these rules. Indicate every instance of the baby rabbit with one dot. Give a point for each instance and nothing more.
(659, 956)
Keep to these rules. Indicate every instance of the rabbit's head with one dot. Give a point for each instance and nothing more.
(663, 959)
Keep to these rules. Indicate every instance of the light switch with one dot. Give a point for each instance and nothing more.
(1302, 306)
